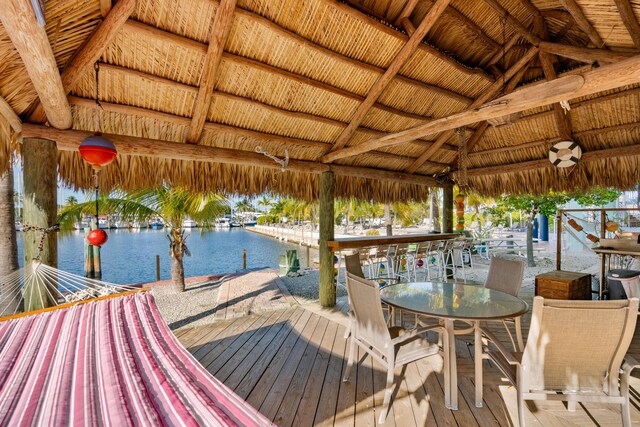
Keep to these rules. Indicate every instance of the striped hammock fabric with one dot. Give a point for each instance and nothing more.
(111, 362)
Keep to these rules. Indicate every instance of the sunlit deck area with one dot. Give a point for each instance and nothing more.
(288, 364)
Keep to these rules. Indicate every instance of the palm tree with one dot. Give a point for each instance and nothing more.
(171, 204)
(265, 202)
(71, 200)
(244, 205)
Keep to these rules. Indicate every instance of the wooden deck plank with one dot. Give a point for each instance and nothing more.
(293, 395)
(365, 409)
(311, 396)
(326, 411)
(418, 397)
(266, 365)
(252, 335)
(269, 402)
(291, 362)
(232, 375)
(229, 328)
(239, 333)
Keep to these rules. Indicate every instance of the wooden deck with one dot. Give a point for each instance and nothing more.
(289, 363)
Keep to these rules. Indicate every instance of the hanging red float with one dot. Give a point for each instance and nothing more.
(97, 237)
(97, 151)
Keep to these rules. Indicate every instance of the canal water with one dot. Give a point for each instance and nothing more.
(129, 256)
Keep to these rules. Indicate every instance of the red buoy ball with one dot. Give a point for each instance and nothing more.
(97, 151)
(97, 237)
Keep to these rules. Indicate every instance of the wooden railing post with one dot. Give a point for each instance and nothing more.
(327, 284)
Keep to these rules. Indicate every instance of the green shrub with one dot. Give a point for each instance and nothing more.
(372, 232)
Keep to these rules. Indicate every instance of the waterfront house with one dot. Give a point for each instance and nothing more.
(317, 99)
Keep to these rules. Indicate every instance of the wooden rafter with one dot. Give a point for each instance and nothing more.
(105, 7)
(284, 141)
(125, 72)
(513, 22)
(380, 85)
(548, 142)
(10, 116)
(585, 54)
(69, 140)
(582, 21)
(175, 39)
(486, 95)
(629, 19)
(219, 34)
(607, 77)
(381, 26)
(91, 51)
(475, 138)
(589, 156)
(32, 43)
(562, 119)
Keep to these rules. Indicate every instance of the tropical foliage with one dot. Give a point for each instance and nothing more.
(172, 204)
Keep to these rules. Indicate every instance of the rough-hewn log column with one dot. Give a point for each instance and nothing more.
(447, 210)
(327, 284)
(40, 206)
(8, 243)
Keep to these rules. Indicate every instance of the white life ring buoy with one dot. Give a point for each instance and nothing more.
(565, 154)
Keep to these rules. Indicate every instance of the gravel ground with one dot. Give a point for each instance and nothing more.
(305, 288)
(194, 307)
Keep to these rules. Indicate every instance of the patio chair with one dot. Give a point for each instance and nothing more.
(506, 275)
(575, 352)
(391, 346)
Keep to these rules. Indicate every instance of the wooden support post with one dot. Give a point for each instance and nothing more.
(559, 241)
(447, 210)
(327, 284)
(603, 271)
(40, 209)
(157, 268)
(8, 244)
(244, 259)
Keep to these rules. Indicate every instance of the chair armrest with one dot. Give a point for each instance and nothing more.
(508, 355)
(411, 333)
(629, 364)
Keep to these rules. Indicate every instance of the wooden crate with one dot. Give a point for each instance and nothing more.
(564, 285)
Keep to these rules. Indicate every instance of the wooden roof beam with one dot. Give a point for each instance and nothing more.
(383, 27)
(69, 140)
(150, 31)
(582, 21)
(629, 19)
(492, 91)
(218, 38)
(474, 139)
(383, 81)
(128, 110)
(513, 22)
(108, 68)
(105, 7)
(32, 43)
(10, 116)
(548, 142)
(589, 156)
(585, 54)
(607, 77)
(91, 50)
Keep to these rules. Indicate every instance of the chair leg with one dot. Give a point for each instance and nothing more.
(352, 351)
(477, 357)
(513, 343)
(626, 407)
(519, 333)
(572, 405)
(387, 394)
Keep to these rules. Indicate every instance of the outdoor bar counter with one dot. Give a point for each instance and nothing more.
(338, 245)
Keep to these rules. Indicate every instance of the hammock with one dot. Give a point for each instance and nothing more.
(110, 360)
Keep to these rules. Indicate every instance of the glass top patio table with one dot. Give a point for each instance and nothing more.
(453, 300)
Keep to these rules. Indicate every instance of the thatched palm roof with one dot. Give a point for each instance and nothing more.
(294, 75)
